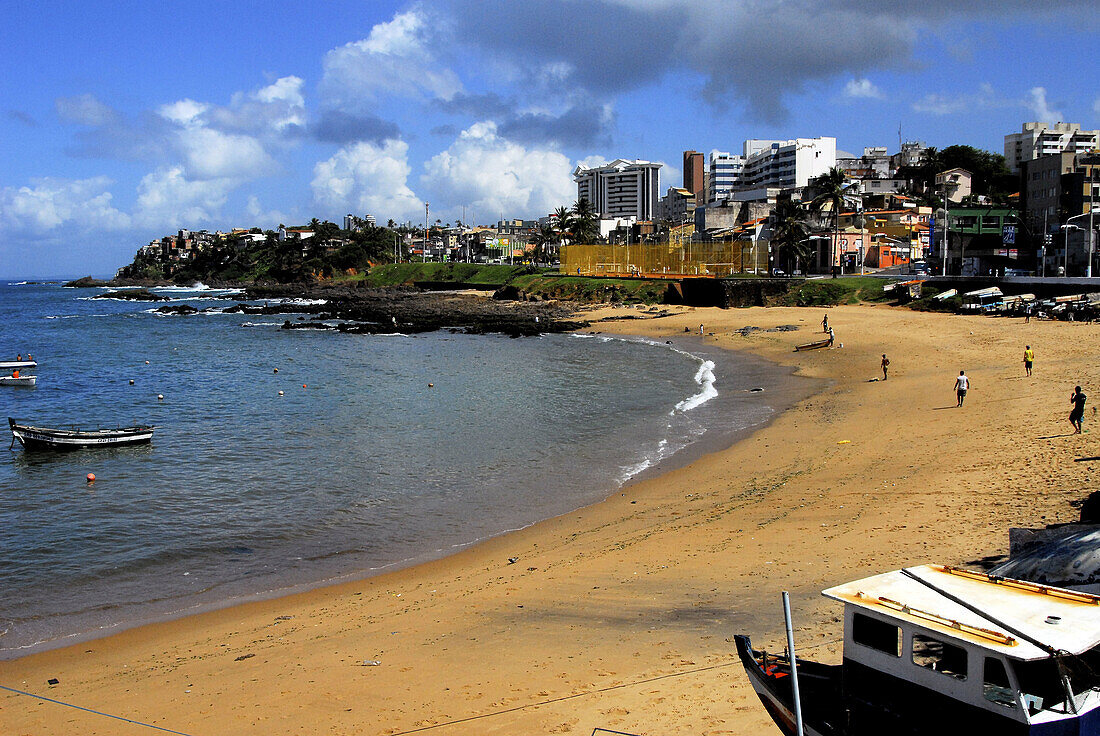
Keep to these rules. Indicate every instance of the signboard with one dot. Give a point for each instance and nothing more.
(1008, 234)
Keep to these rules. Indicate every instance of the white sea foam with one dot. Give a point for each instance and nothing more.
(705, 378)
(304, 302)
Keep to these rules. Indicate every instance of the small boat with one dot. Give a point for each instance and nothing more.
(18, 380)
(814, 345)
(72, 438)
(942, 651)
(11, 365)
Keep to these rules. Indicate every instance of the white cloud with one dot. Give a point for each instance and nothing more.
(862, 88)
(211, 154)
(183, 112)
(168, 199)
(275, 108)
(367, 178)
(491, 174)
(985, 98)
(394, 60)
(50, 204)
(85, 109)
(1037, 103)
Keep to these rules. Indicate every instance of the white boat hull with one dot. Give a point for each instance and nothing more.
(20, 381)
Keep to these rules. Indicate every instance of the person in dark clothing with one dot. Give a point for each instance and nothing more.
(1078, 414)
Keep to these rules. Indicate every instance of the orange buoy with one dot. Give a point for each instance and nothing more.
(91, 477)
(276, 370)
(303, 385)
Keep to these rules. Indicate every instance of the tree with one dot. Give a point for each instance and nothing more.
(831, 187)
(544, 241)
(585, 225)
(790, 234)
(562, 222)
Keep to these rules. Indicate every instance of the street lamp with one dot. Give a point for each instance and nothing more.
(1067, 227)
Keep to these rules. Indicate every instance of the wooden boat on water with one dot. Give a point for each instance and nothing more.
(11, 365)
(941, 651)
(72, 438)
(18, 380)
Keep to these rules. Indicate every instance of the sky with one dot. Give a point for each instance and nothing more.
(123, 122)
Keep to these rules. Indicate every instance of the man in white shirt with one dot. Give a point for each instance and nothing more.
(962, 383)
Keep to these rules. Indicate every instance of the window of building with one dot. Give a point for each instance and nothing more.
(939, 656)
(876, 634)
(995, 685)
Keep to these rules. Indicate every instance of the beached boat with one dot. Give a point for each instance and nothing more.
(72, 438)
(11, 365)
(814, 345)
(18, 380)
(942, 651)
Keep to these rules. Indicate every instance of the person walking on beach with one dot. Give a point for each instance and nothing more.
(962, 385)
(1029, 359)
(825, 323)
(885, 365)
(832, 337)
(1078, 414)
(1027, 315)
(700, 330)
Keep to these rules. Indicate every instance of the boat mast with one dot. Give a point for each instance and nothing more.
(791, 658)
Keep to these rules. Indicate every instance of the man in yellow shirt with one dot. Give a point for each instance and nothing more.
(1029, 358)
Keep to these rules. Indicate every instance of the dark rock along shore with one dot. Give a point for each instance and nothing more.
(412, 310)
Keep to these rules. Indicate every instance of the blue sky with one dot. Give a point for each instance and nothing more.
(126, 121)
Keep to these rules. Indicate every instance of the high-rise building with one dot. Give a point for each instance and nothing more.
(786, 164)
(621, 188)
(694, 171)
(1043, 139)
(725, 175)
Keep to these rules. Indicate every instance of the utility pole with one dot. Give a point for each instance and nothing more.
(946, 217)
(425, 228)
(1091, 174)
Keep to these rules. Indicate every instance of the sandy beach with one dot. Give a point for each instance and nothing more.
(621, 615)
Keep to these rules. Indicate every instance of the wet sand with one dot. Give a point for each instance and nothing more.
(621, 615)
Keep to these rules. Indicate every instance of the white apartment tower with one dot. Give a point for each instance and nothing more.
(621, 188)
(786, 164)
(1043, 139)
(724, 175)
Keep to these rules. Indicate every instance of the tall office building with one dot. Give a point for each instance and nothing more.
(621, 188)
(694, 173)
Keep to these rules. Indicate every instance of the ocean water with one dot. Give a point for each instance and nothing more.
(358, 467)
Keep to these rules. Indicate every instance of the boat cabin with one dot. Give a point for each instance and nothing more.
(967, 652)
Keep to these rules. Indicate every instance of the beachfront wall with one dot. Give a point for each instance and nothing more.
(667, 260)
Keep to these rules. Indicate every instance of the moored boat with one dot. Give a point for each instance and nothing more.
(18, 380)
(941, 651)
(72, 438)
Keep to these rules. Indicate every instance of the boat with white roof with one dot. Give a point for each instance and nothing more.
(942, 650)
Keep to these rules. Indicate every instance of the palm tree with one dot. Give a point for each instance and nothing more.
(585, 226)
(544, 241)
(561, 222)
(831, 185)
(790, 234)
